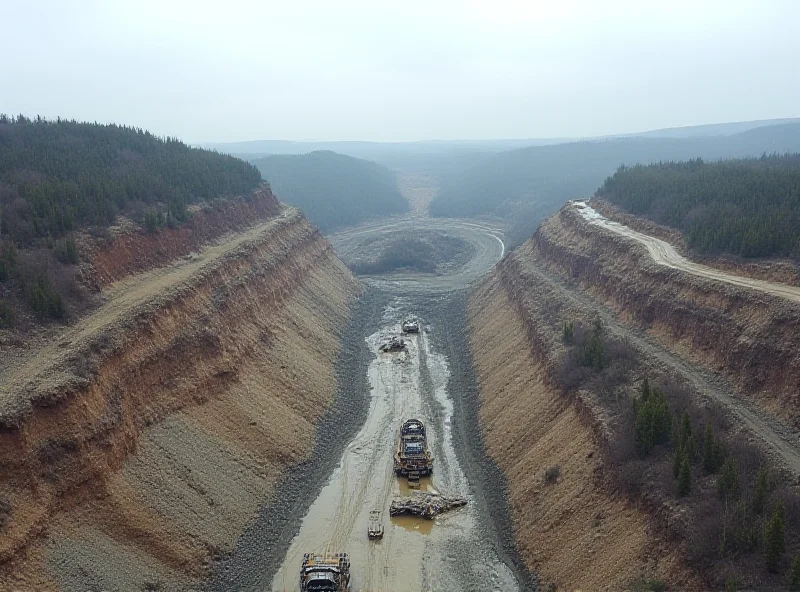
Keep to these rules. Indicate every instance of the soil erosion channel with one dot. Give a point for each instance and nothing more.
(452, 552)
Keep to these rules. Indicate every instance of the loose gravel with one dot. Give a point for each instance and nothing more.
(261, 548)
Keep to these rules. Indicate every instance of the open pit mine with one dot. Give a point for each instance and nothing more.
(240, 412)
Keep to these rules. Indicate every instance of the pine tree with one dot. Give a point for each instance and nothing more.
(794, 578)
(728, 480)
(761, 491)
(709, 456)
(775, 539)
(684, 478)
(677, 461)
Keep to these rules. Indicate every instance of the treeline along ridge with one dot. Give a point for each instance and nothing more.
(747, 207)
(57, 176)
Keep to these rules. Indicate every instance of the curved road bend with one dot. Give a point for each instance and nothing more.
(487, 240)
(665, 254)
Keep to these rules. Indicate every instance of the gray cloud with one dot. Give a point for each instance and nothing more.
(241, 69)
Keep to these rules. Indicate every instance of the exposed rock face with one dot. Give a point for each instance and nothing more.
(145, 444)
(576, 532)
(750, 336)
(134, 252)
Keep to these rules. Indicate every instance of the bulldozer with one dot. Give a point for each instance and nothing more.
(325, 572)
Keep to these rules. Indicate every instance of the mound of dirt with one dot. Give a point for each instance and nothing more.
(430, 252)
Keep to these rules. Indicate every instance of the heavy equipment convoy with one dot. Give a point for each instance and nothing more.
(412, 453)
(328, 572)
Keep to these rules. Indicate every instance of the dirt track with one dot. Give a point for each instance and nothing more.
(414, 554)
(665, 254)
(45, 365)
(781, 440)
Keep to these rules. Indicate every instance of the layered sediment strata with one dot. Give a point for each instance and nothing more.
(141, 442)
(751, 337)
(571, 527)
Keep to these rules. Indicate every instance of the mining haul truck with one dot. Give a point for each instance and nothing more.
(325, 571)
(412, 452)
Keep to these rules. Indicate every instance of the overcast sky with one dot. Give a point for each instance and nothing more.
(402, 70)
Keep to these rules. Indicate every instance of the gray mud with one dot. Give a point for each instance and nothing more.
(448, 313)
(260, 550)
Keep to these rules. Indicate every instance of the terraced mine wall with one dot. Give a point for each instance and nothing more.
(140, 446)
(750, 337)
(125, 253)
(571, 524)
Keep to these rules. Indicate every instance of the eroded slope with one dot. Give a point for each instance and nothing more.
(750, 335)
(140, 444)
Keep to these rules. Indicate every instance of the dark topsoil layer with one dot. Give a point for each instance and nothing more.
(261, 549)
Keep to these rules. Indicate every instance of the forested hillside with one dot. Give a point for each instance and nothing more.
(333, 190)
(526, 185)
(57, 177)
(748, 207)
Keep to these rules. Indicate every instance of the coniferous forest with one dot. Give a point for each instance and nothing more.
(746, 207)
(60, 176)
(57, 176)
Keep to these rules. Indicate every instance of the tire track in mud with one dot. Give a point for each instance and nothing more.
(415, 554)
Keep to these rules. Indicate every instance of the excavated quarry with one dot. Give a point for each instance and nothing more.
(577, 532)
(138, 443)
(576, 521)
(184, 432)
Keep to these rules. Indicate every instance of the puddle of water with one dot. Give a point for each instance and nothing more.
(425, 484)
(365, 480)
(413, 524)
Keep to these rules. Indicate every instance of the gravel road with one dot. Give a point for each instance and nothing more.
(665, 254)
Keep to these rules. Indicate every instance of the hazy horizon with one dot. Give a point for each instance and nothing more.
(446, 71)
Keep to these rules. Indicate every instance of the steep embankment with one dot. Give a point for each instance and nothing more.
(604, 488)
(749, 335)
(571, 526)
(141, 441)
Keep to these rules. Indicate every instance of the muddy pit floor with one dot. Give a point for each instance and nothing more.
(448, 553)
(324, 505)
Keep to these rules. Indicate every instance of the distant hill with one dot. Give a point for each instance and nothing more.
(332, 189)
(528, 184)
(712, 129)
(748, 207)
